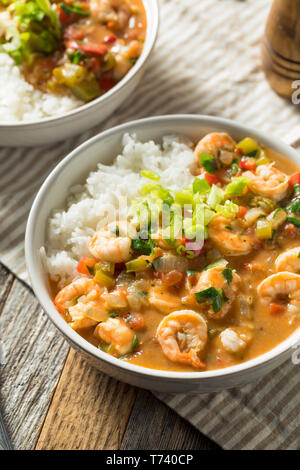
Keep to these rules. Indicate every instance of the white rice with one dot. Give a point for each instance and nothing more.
(69, 229)
(20, 101)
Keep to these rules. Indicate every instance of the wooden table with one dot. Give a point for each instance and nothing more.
(52, 399)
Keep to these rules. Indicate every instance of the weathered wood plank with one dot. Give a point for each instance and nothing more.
(153, 425)
(89, 410)
(6, 280)
(35, 356)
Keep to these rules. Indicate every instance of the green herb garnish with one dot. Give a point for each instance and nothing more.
(90, 270)
(143, 246)
(227, 273)
(211, 295)
(191, 272)
(209, 163)
(135, 343)
(76, 8)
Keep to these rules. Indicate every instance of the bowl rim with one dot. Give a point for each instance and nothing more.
(152, 14)
(75, 338)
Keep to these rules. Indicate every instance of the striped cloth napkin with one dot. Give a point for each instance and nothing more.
(207, 60)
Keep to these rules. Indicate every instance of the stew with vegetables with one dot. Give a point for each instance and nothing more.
(215, 285)
(85, 47)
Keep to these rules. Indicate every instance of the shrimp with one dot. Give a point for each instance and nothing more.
(182, 335)
(268, 181)
(283, 285)
(223, 233)
(114, 331)
(113, 243)
(214, 277)
(235, 339)
(220, 146)
(82, 300)
(163, 300)
(115, 11)
(289, 261)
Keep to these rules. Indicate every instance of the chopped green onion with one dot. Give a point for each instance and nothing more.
(150, 175)
(74, 8)
(180, 250)
(228, 210)
(190, 254)
(237, 186)
(183, 197)
(215, 197)
(201, 185)
(296, 190)
(295, 207)
(294, 220)
(135, 343)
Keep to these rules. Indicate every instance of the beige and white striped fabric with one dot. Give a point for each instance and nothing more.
(207, 60)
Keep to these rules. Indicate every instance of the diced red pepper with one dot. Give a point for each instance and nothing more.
(106, 81)
(248, 164)
(89, 47)
(295, 178)
(110, 39)
(242, 211)
(85, 265)
(211, 179)
(276, 309)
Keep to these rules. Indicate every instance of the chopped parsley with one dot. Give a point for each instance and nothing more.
(227, 273)
(191, 272)
(213, 296)
(90, 270)
(209, 163)
(144, 247)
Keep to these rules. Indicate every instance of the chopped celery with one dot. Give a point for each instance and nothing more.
(200, 185)
(150, 175)
(237, 186)
(264, 230)
(137, 265)
(215, 197)
(104, 279)
(249, 147)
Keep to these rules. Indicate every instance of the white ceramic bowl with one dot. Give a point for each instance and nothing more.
(74, 169)
(49, 130)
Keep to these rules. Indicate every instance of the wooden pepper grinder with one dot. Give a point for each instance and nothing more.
(281, 46)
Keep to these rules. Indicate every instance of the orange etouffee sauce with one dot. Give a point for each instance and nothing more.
(268, 329)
